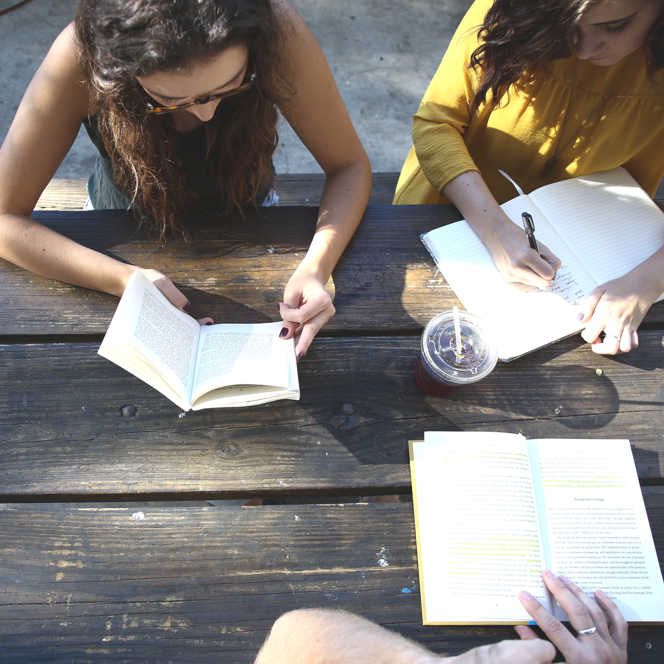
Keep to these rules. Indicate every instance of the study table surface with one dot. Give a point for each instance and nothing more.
(189, 583)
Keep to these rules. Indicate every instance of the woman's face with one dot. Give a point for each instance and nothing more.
(224, 72)
(611, 29)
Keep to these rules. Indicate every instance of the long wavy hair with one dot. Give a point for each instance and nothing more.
(517, 36)
(122, 39)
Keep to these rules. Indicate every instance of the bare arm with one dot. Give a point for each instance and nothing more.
(319, 117)
(320, 636)
(44, 129)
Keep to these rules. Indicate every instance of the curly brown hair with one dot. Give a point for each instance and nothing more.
(517, 36)
(120, 40)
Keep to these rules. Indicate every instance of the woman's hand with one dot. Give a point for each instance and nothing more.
(617, 309)
(507, 243)
(173, 295)
(516, 260)
(606, 645)
(307, 303)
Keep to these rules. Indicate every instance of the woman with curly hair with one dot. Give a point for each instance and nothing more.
(546, 90)
(181, 97)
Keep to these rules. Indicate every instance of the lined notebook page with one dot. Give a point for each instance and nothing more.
(607, 220)
(522, 321)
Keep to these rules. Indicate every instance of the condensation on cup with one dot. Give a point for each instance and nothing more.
(442, 367)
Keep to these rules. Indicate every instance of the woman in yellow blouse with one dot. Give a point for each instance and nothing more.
(545, 91)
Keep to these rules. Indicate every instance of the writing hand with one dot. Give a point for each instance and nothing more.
(307, 306)
(607, 645)
(173, 295)
(517, 261)
(617, 309)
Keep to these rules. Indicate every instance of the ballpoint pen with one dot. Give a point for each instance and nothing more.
(529, 227)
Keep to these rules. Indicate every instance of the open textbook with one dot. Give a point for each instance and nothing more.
(196, 367)
(601, 226)
(493, 510)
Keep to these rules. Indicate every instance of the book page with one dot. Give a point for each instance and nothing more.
(522, 321)
(241, 355)
(598, 526)
(607, 220)
(164, 336)
(478, 533)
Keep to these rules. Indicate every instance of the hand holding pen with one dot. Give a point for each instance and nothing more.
(529, 227)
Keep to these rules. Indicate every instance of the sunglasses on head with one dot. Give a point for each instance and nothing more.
(162, 110)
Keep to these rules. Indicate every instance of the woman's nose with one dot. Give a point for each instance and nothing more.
(585, 47)
(205, 112)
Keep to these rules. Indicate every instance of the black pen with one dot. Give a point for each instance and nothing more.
(529, 227)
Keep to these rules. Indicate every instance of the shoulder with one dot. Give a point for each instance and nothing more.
(60, 77)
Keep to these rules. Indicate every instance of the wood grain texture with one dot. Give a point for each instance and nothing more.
(293, 189)
(235, 270)
(62, 436)
(206, 584)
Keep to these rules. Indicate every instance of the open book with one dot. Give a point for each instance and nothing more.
(196, 367)
(601, 226)
(493, 510)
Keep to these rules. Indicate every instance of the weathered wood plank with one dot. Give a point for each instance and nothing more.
(235, 270)
(293, 189)
(189, 585)
(63, 437)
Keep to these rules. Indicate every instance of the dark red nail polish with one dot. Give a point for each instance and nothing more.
(283, 333)
(187, 308)
(300, 356)
(210, 323)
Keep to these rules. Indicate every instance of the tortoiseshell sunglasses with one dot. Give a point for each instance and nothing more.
(162, 110)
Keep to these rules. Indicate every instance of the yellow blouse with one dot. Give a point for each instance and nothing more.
(519, 137)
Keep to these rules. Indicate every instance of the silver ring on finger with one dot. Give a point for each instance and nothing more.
(587, 632)
(613, 335)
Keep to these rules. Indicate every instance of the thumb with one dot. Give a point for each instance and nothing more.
(167, 287)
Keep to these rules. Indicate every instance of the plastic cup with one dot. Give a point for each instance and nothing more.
(442, 367)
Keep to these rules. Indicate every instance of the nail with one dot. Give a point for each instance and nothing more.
(283, 333)
(524, 594)
(565, 580)
(300, 356)
(548, 573)
(210, 323)
(187, 307)
(580, 316)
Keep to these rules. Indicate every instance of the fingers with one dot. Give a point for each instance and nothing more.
(534, 651)
(551, 626)
(525, 633)
(305, 334)
(205, 321)
(166, 286)
(618, 624)
(596, 613)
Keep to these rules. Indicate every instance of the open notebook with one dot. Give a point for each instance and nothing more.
(600, 226)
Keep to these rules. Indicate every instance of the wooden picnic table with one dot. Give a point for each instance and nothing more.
(139, 581)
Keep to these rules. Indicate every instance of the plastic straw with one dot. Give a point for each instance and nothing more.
(457, 330)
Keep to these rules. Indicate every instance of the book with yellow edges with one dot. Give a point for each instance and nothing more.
(493, 510)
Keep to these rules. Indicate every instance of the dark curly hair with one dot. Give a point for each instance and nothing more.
(517, 36)
(122, 39)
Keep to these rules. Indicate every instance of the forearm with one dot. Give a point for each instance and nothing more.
(39, 249)
(333, 637)
(476, 203)
(344, 200)
(649, 276)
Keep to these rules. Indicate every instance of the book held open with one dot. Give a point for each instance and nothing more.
(196, 367)
(493, 510)
(601, 226)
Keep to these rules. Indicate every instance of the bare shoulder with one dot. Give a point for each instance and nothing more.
(59, 75)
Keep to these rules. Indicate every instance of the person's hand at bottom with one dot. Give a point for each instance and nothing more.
(532, 651)
(307, 306)
(598, 640)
